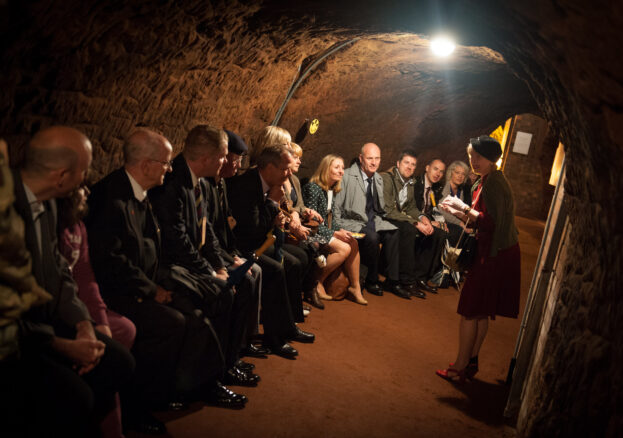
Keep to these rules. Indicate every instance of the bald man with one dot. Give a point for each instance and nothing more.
(359, 207)
(175, 349)
(56, 162)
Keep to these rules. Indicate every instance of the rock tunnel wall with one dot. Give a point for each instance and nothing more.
(107, 66)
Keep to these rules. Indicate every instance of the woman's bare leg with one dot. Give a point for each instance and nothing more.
(339, 251)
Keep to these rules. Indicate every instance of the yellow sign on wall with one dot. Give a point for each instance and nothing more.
(313, 126)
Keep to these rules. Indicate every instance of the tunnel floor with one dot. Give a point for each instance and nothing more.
(371, 373)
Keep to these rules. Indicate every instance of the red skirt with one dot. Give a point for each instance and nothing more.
(492, 286)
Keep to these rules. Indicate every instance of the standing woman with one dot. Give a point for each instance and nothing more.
(342, 246)
(492, 284)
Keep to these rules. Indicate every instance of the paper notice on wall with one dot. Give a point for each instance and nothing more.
(522, 142)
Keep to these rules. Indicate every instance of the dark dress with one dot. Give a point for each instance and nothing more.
(316, 199)
(493, 283)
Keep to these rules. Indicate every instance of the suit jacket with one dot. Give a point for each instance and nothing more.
(116, 240)
(50, 270)
(418, 192)
(176, 210)
(217, 215)
(392, 184)
(253, 211)
(349, 208)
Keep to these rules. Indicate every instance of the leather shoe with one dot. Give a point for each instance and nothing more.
(253, 350)
(284, 350)
(222, 397)
(235, 376)
(302, 336)
(244, 366)
(313, 298)
(146, 423)
(422, 285)
(374, 289)
(397, 290)
(414, 291)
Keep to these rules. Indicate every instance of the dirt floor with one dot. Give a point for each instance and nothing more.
(371, 373)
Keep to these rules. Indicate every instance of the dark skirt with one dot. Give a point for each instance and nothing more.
(492, 286)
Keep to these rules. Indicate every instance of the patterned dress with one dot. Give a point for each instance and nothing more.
(316, 199)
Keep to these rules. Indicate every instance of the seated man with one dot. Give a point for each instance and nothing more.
(358, 207)
(175, 346)
(222, 220)
(402, 211)
(189, 243)
(78, 368)
(427, 190)
(254, 199)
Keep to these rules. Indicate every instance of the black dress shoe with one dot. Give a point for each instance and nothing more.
(235, 376)
(422, 285)
(302, 336)
(397, 290)
(284, 350)
(222, 397)
(244, 366)
(414, 291)
(253, 350)
(313, 298)
(146, 423)
(374, 289)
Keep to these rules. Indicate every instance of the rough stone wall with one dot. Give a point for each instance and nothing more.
(565, 54)
(105, 67)
(529, 174)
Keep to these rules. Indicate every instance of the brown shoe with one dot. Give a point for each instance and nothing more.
(313, 298)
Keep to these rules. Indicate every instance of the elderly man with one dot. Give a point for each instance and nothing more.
(222, 220)
(192, 251)
(427, 190)
(359, 207)
(174, 347)
(59, 335)
(254, 198)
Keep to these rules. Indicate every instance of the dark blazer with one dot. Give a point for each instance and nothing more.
(418, 191)
(116, 240)
(175, 208)
(50, 270)
(254, 213)
(218, 215)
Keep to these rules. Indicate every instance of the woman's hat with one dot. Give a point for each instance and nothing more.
(487, 146)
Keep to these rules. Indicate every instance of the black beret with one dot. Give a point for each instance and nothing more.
(235, 144)
(487, 146)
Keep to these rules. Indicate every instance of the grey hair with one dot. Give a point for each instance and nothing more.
(454, 165)
(141, 144)
(271, 155)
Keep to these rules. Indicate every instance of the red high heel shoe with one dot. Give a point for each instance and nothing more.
(458, 377)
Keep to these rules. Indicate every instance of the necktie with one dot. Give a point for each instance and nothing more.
(221, 195)
(427, 203)
(370, 205)
(198, 203)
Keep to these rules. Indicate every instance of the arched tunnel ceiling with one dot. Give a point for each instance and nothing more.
(390, 89)
(108, 66)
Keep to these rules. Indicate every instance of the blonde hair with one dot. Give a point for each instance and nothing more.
(270, 136)
(296, 150)
(321, 175)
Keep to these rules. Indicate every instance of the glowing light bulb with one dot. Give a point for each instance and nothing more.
(442, 46)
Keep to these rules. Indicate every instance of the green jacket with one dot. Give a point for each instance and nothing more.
(392, 184)
(498, 199)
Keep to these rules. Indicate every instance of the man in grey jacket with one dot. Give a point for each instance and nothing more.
(359, 208)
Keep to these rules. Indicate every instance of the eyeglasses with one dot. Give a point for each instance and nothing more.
(168, 164)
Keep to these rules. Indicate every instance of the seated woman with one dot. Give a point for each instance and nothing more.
(456, 185)
(74, 247)
(342, 246)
